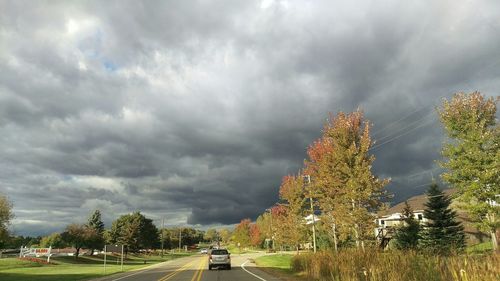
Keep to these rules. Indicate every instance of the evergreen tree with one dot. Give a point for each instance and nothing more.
(407, 236)
(442, 233)
(97, 225)
(95, 222)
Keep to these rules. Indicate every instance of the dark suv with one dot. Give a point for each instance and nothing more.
(219, 257)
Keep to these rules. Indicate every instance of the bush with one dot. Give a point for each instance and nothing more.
(352, 264)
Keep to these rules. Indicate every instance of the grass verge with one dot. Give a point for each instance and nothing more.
(278, 265)
(69, 268)
(352, 264)
(238, 250)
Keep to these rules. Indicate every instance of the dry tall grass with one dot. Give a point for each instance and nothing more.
(373, 265)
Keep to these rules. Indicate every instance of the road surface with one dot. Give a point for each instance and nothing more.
(195, 268)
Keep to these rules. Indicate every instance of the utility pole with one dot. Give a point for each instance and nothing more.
(180, 238)
(308, 179)
(272, 233)
(162, 238)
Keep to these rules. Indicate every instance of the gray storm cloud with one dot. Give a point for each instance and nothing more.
(194, 110)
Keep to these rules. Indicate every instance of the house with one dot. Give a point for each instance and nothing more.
(388, 220)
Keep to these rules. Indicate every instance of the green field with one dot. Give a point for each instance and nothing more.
(69, 268)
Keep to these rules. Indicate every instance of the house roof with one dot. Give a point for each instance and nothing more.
(417, 203)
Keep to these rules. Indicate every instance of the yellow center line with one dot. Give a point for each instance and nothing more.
(199, 272)
(204, 264)
(177, 271)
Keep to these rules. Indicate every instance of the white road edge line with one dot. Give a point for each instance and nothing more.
(255, 275)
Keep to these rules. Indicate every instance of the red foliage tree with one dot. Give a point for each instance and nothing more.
(255, 235)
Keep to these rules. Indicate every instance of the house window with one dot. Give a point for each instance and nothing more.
(420, 217)
(382, 222)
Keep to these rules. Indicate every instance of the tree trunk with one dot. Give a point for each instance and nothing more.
(356, 235)
(494, 240)
(77, 252)
(335, 237)
(493, 233)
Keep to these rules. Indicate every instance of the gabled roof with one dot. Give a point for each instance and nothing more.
(417, 203)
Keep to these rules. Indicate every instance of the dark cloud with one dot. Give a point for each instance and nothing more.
(194, 110)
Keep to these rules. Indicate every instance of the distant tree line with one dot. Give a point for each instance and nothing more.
(135, 231)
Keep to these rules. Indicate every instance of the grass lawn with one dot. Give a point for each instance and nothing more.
(480, 248)
(278, 261)
(236, 250)
(278, 265)
(68, 268)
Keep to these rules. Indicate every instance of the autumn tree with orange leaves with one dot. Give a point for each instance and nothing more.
(292, 193)
(343, 185)
(241, 233)
(280, 219)
(266, 228)
(255, 235)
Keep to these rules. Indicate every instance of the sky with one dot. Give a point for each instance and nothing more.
(193, 111)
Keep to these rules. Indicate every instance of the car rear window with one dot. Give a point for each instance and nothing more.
(219, 252)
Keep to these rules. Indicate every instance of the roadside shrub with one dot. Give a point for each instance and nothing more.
(37, 260)
(352, 264)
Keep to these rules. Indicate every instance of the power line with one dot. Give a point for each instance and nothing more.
(409, 125)
(400, 179)
(423, 172)
(400, 135)
(430, 113)
(397, 121)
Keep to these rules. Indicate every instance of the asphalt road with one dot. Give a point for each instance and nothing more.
(195, 268)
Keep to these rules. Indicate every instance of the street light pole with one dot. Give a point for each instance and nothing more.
(308, 178)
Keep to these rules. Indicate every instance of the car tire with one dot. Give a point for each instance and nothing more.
(209, 267)
(229, 267)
